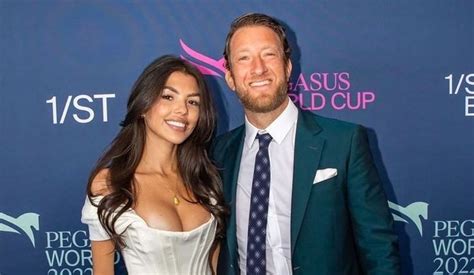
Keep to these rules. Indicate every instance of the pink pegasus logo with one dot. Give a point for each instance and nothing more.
(209, 66)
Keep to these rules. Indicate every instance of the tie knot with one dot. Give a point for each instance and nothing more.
(264, 140)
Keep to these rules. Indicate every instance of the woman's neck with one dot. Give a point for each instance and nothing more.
(159, 158)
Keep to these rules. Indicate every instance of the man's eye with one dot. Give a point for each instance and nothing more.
(243, 58)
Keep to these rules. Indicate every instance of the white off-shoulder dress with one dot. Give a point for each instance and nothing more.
(153, 251)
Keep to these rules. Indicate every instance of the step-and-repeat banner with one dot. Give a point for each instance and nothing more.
(403, 69)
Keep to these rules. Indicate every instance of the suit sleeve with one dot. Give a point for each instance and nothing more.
(213, 152)
(377, 243)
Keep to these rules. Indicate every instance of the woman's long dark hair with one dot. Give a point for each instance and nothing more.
(124, 153)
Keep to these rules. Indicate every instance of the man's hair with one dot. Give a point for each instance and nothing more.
(257, 19)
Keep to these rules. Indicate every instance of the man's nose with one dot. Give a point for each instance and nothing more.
(259, 66)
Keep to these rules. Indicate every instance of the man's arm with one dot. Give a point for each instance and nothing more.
(376, 242)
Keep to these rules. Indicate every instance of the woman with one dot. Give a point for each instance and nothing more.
(154, 194)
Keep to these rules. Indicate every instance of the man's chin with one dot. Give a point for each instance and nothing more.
(262, 105)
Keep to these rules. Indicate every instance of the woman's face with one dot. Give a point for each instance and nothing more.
(174, 115)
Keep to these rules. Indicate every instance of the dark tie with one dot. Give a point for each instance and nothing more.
(257, 230)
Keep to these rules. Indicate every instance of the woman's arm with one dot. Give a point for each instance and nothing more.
(215, 257)
(103, 257)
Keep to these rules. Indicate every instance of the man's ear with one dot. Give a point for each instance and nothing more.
(289, 67)
(230, 80)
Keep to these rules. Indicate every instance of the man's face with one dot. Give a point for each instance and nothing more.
(258, 73)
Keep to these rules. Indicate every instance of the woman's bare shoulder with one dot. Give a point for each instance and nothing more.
(100, 185)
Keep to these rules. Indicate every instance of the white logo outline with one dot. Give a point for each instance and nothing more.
(23, 224)
(413, 212)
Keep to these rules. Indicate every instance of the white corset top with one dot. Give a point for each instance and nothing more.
(154, 251)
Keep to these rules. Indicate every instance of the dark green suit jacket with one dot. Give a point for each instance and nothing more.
(338, 226)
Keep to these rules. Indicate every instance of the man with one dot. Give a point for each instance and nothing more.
(304, 194)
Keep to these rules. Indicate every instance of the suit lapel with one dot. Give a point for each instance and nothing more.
(308, 149)
(231, 163)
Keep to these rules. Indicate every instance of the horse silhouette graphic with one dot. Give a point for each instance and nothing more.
(412, 212)
(205, 64)
(24, 224)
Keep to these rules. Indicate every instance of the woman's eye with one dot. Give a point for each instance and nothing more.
(167, 97)
(194, 102)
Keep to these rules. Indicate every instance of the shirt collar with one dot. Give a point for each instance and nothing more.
(278, 129)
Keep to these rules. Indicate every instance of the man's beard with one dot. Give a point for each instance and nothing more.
(269, 104)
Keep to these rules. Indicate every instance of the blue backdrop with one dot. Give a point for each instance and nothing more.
(404, 69)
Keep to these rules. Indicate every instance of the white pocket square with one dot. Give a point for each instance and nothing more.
(324, 174)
